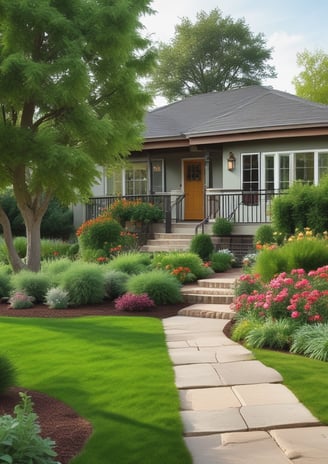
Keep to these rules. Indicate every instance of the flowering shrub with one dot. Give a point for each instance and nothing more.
(132, 302)
(20, 300)
(182, 273)
(300, 296)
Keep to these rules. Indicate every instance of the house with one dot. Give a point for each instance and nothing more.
(223, 154)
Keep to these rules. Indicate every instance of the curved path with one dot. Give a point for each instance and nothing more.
(234, 409)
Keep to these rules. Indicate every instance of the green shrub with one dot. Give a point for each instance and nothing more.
(220, 261)
(222, 226)
(20, 437)
(5, 283)
(7, 376)
(34, 284)
(54, 268)
(56, 298)
(73, 251)
(115, 283)
(307, 254)
(311, 341)
(20, 244)
(102, 233)
(202, 245)
(130, 263)
(175, 259)
(276, 334)
(84, 283)
(54, 249)
(159, 285)
(264, 234)
(270, 262)
(242, 328)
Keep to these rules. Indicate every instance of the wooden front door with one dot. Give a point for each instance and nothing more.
(194, 189)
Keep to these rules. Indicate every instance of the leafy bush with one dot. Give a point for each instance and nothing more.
(20, 300)
(147, 213)
(264, 234)
(54, 249)
(311, 341)
(131, 302)
(32, 283)
(202, 245)
(242, 328)
(275, 334)
(159, 285)
(130, 263)
(222, 226)
(54, 268)
(56, 298)
(85, 283)
(102, 233)
(221, 261)
(20, 439)
(271, 261)
(5, 283)
(176, 259)
(248, 284)
(20, 244)
(183, 274)
(306, 253)
(115, 283)
(7, 376)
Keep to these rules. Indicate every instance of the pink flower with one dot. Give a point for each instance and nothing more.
(295, 314)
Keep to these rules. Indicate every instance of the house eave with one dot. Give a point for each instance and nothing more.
(234, 136)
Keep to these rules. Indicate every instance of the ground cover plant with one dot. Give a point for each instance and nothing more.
(107, 370)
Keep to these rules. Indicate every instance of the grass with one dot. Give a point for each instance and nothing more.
(307, 378)
(115, 372)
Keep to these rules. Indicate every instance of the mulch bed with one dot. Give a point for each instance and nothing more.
(57, 420)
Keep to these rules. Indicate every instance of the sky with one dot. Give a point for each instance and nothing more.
(288, 26)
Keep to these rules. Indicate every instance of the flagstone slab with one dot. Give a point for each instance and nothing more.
(246, 372)
(205, 422)
(196, 375)
(308, 445)
(210, 341)
(194, 324)
(177, 344)
(235, 448)
(191, 356)
(233, 353)
(277, 415)
(208, 399)
(265, 393)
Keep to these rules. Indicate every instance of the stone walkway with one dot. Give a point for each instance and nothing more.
(234, 409)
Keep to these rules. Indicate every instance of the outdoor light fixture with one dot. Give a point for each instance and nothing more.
(231, 162)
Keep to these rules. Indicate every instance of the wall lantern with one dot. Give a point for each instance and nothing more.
(231, 162)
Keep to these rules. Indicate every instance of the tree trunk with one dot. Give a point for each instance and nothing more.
(33, 252)
(14, 259)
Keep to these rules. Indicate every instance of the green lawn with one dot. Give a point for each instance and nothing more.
(114, 371)
(307, 378)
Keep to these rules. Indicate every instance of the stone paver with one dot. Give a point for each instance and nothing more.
(191, 356)
(204, 422)
(246, 372)
(236, 448)
(196, 375)
(308, 445)
(208, 398)
(265, 393)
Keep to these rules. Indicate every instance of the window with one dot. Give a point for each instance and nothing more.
(284, 171)
(304, 167)
(136, 179)
(250, 180)
(323, 164)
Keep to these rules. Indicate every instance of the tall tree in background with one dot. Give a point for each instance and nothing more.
(312, 82)
(70, 101)
(214, 54)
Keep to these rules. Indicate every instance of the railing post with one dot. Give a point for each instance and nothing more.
(168, 221)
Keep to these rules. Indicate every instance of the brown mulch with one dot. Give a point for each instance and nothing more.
(57, 420)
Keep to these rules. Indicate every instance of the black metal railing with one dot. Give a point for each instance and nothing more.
(240, 207)
(171, 204)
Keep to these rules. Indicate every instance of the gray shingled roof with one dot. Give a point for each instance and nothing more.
(253, 108)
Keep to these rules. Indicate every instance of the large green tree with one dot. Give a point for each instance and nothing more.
(70, 100)
(215, 53)
(312, 82)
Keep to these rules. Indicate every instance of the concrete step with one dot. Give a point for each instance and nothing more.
(173, 236)
(198, 295)
(218, 283)
(161, 248)
(164, 241)
(212, 311)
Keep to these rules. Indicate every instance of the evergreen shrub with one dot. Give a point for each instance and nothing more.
(159, 285)
(175, 259)
(34, 284)
(7, 375)
(115, 283)
(130, 263)
(202, 245)
(85, 283)
(222, 226)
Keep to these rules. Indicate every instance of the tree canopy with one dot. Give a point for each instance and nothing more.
(215, 53)
(312, 82)
(70, 98)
